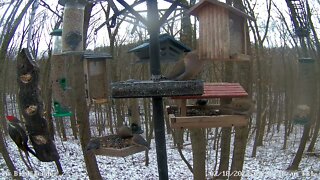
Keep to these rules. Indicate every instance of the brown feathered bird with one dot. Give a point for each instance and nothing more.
(187, 68)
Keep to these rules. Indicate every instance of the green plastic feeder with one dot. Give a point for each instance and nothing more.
(60, 111)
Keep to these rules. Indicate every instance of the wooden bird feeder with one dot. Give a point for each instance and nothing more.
(209, 119)
(95, 75)
(170, 50)
(222, 31)
(123, 152)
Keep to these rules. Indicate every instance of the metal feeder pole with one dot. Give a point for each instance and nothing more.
(157, 102)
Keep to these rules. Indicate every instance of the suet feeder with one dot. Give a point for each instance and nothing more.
(95, 75)
(222, 31)
(170, 50)
(73, 19)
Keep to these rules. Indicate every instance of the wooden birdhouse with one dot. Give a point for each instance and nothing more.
(222, 31)
(95, 75)
(170, 49)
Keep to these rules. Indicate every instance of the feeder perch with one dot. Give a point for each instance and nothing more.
(60, 111)
(222, 31)
(170, 50)
(146, 89)
(95, 70)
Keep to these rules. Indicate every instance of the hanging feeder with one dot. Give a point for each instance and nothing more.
(73, 19)
(95, 71)
(60, 82)
(170, 50)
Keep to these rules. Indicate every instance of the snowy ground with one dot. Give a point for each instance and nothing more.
(270, 163)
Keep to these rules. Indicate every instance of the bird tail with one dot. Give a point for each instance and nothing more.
(32, 152)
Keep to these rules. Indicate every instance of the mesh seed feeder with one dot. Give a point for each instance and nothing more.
(73, 19)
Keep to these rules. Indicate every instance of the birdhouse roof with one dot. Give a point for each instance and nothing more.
(97, 56)
(203, 3)
(162, 39)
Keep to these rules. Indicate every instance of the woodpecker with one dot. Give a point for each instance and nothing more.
(187, 68)
(19, 135)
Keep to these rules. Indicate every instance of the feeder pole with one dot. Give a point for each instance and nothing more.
(157, 102)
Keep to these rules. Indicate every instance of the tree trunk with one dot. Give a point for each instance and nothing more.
(82, 115)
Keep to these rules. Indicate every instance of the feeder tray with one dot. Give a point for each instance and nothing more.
(123, 152)
(208, 121)
(145, 89)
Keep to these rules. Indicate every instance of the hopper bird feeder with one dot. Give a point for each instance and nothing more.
(222, 31)
(72, 34)
(206, 116)
(60, 82)
(170, 50)
(95, 75)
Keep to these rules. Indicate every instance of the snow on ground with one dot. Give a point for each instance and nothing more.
(270, 163)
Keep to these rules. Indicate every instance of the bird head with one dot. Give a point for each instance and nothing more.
(12, 119)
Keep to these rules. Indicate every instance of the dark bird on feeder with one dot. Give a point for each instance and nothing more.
(187, 68)
(201, 102)
(93, 144)
(136, 129)
(125, 132)
(19, 135)
(137, 139)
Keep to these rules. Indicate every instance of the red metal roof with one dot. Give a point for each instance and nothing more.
(219, 90)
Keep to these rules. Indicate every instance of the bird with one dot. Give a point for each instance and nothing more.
(20, 138)
(201, 102)
(136, 129)
(125, 132)
(138, 140)
(239, 106)
(187, 68)
(132, 135)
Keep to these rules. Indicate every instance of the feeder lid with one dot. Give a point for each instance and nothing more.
(97, 56)
(162, 38)
(63, 2)
(56, 32)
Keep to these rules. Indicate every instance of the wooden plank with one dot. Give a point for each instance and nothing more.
(123, 152)
(209, 121)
